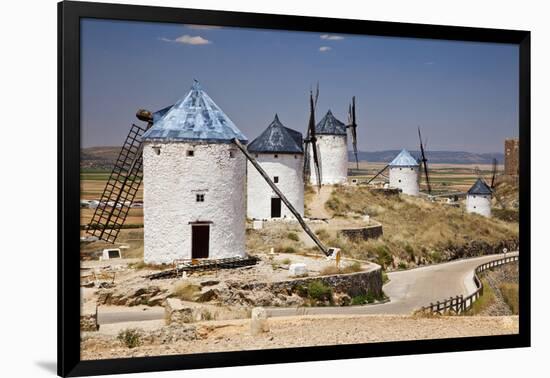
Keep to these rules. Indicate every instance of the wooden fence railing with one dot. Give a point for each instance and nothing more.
(460, 304)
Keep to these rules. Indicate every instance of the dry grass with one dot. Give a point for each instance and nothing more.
(277, 236)
(510, 293)
(416, 231)
(331, 269)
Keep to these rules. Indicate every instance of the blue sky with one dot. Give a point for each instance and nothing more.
(463, 95)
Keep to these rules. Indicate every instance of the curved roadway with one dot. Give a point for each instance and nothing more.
(408, 290)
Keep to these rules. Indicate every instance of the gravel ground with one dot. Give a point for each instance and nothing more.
(217, 336)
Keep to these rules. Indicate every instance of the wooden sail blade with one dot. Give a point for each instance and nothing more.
(283, 198)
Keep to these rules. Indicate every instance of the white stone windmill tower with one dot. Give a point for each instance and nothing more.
(194, 182)
(332, 149)
(279, 151)
(404, 173)
(478, 199)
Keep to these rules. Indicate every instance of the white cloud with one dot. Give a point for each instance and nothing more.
(325, 48)
(188, 40)
(429, 63)
(332, 37)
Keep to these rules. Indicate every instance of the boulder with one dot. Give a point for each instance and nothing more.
(297, 270)
(176, 312)
(258, 321)
(88, 317)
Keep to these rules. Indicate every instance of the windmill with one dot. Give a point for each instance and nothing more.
(424, 161)
(122, 185)
(352, 125)
(311, 139)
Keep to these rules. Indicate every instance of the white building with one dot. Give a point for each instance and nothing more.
(479, 198)
(404, 173)
(194, 183)
(332, 148)
(279, 151)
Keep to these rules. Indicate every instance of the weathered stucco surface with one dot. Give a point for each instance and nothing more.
(289, 169)
(171, 181)
(405, 178)
(333, 159)
(478, 203)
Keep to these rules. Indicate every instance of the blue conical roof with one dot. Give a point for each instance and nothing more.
(480, 188)
(404, 159)
(330, 125)
(277, 138)
(196, 117)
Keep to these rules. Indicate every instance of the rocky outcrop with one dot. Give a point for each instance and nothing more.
(149, 295)
(478, 248)
(365, 233)
(291, 292)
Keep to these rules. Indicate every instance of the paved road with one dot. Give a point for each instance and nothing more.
(110, 315)
(408, 291)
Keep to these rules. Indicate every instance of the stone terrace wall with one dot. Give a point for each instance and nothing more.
(353, 284)
(365, 233)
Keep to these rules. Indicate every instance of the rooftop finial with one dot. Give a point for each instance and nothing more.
(196, 85)
(276, 119)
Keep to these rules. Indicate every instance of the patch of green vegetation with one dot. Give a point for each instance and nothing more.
(402, 265)
(293, 236)
(318, 291)
(286, 261)
(289, 249)
(484, 301)
(130, 337)
(362, 299)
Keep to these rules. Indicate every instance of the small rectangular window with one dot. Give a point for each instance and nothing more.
(275, 179)
(231, 154)
(200, 197)
(190, 153)
(276, 156)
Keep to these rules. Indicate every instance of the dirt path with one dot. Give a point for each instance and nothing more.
(317, 204)
(291, 332)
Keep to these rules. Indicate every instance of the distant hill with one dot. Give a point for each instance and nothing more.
(444, 157)
(105, 156)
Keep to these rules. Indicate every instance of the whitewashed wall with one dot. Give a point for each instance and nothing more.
(480, 204)
(289, 169)
(405, 178)
(172, 180)
(333, 159)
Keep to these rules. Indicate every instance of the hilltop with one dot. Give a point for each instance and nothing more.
(416, 231)
(437, 157)
(103, 157)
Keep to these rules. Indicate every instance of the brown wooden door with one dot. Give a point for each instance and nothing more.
(200, 241)
(275, 208)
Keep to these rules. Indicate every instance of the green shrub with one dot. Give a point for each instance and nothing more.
(131, 337)
(402, 265)
(289, 250)
(286, 261)
(293, 236)
(362, 299)
(319, 291)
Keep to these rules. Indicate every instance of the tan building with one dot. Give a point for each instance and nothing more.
(511, 157)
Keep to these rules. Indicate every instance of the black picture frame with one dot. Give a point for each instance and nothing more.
(69, 15)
